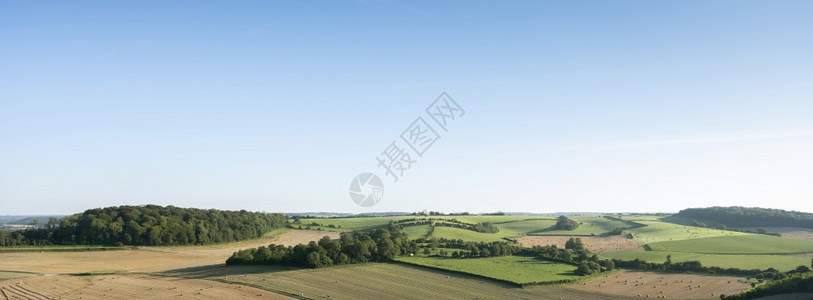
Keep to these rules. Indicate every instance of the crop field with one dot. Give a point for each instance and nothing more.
(388, 281)
(594, 244)
(657, 231)
(516, 269)
(144, 259)
(741, 261)
(743, 244)
(658, 285)
(127, 287)
(789, 232)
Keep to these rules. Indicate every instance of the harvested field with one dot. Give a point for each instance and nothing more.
(660, 285)
(145, 259)
(127, 287)
(594, 244)
(793, 232)
(382, 281)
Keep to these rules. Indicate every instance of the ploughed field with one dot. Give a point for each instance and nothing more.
(594, 244)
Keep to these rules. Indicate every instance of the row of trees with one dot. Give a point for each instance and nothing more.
(358, 247)
(750, 216)
(794, 283)
(697, 267)
(147, 225)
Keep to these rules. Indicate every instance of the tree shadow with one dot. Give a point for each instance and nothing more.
(223, 270)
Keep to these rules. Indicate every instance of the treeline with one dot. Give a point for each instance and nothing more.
(574, 253)
(795, 283)
(468, 249)
(147, 225)
(485, 227)
(358, 247)
(697, 267)
(750, 216)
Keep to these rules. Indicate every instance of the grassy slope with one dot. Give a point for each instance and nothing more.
(590, 225)
(351, 224)
(744, 244)
(741, 261)
(657, 231)
(517, 269)
(521, 228)
(414, 232)
(466, 235)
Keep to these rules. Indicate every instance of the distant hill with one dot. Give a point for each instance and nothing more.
(28, 220)
(342, 215)
(749, 216)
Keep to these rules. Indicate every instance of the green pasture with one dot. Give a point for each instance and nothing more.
(516, 269)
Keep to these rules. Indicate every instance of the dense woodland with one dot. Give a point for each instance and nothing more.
(750, 216)
(147, 225)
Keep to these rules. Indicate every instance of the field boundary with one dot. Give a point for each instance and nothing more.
(57, 248)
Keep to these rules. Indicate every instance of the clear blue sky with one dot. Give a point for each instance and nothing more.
(268, 106)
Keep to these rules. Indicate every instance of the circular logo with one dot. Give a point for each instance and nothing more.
(366, 189)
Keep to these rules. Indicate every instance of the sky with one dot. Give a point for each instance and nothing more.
(603, 106)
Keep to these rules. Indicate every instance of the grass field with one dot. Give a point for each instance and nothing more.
(521, 228)
(657, 231)
(415, 232)
(589, 225)
(493, 219)
(741, 244)
(741, 261)
(516, 269)
(351, 224)
(466, 235)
